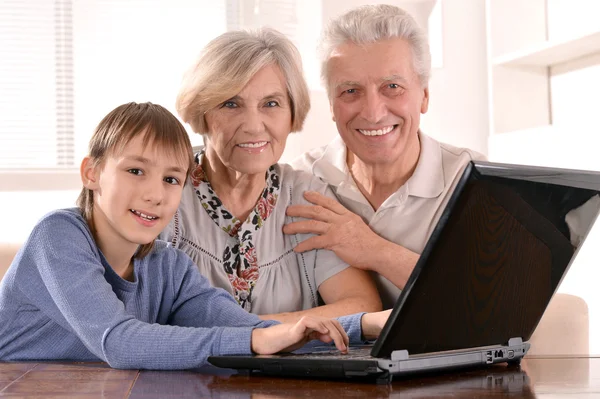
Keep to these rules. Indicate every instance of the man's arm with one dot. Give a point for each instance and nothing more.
(349, 291)
(392, 261)
(346, 234)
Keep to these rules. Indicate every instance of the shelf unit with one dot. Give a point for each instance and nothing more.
(527, 42)
(552, 53)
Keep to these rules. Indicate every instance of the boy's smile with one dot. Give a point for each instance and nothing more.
(145, 218)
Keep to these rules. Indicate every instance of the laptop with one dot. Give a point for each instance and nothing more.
(504, 242)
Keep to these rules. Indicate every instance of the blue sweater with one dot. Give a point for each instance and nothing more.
(61, 300)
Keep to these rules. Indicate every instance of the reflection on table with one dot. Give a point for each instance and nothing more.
(536, 376)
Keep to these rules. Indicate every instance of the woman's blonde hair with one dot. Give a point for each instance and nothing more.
(159, 127)
(228, 63)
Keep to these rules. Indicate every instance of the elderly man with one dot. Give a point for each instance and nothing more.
(392, 179)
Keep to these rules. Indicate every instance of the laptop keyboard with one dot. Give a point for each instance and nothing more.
(353, 353)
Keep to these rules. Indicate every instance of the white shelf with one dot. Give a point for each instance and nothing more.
(552, 53)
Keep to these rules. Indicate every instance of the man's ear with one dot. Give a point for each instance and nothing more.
(331, 110)
(89, 173)
(425, 102)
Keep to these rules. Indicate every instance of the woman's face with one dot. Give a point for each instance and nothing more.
(247, 132)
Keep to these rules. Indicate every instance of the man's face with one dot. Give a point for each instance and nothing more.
(377, 99)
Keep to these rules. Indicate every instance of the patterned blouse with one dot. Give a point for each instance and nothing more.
(252, 259)
(239, 257)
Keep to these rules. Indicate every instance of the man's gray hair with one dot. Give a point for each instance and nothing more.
(371, 23)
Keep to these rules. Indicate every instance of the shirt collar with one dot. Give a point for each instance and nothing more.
(427, 180)
(331, 166)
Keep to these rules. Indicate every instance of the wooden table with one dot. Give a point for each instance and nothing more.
(536, 378)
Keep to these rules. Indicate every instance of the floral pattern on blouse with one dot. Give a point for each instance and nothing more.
(239, 257)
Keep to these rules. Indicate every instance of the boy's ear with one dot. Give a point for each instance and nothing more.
(89, 173)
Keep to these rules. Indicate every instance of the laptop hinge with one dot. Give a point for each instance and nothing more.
(515, 341)
(400, 355)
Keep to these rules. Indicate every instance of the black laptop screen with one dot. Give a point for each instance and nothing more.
(494, 260)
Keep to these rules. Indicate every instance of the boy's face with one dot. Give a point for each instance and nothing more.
(136, 193)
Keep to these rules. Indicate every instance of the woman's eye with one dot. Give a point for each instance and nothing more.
(172, 180)
(272, 103)
(229, 104)
(134, 171)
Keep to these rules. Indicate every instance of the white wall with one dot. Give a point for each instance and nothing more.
(458, 112)
(20, 210)
(116, 61)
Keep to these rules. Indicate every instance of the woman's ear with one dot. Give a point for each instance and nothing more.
(89, 173)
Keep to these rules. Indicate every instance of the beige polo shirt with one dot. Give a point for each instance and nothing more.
(408, 216)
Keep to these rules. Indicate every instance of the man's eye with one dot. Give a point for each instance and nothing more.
(350, 91)
(272, 103)
(393, 85)
(172, 180)
(134, 171)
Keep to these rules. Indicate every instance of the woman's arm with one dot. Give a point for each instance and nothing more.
(344, 289)
(347, 292)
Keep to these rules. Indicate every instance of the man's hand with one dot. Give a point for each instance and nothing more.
(337, 229)
(289, 337)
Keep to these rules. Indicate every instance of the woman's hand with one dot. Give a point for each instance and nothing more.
(291, 336)
(372, 323)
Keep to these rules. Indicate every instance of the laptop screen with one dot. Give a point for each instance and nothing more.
(494, 260)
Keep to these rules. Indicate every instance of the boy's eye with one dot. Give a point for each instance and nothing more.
(134, 171)
(272, 103)
(172, 180)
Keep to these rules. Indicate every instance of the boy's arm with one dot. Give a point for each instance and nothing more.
(72, 290)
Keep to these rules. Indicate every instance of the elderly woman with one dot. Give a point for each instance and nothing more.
(245, 95)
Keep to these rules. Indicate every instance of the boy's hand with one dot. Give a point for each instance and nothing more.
(291, 336)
